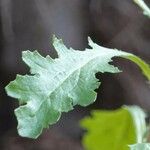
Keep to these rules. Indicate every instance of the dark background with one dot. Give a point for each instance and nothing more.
(29, 24)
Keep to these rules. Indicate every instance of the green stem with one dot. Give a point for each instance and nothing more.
(144, 7)
(142, 64)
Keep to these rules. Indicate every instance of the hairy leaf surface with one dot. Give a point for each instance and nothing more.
(56, 85)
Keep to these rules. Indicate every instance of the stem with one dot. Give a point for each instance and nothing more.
(143, 6)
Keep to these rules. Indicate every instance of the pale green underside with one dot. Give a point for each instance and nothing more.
(56, 85)
(140, 146)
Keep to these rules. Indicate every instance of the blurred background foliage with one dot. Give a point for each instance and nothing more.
(30, 24)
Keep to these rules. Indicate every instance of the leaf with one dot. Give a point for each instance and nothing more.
(140, 146)
(57, 85)
(143, 6)
(114, 129)
(138, 116)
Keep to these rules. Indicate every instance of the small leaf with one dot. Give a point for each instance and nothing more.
(57, 85)
(114, 129)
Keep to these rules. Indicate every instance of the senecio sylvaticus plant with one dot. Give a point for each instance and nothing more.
(54, 86)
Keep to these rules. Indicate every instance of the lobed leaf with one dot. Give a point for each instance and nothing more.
(57, 85)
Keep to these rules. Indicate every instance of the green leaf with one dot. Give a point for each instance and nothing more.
(114, 129)
(140, 146)
(143, 6)
(57, 85)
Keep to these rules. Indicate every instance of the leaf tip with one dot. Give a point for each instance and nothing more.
(90, 42)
